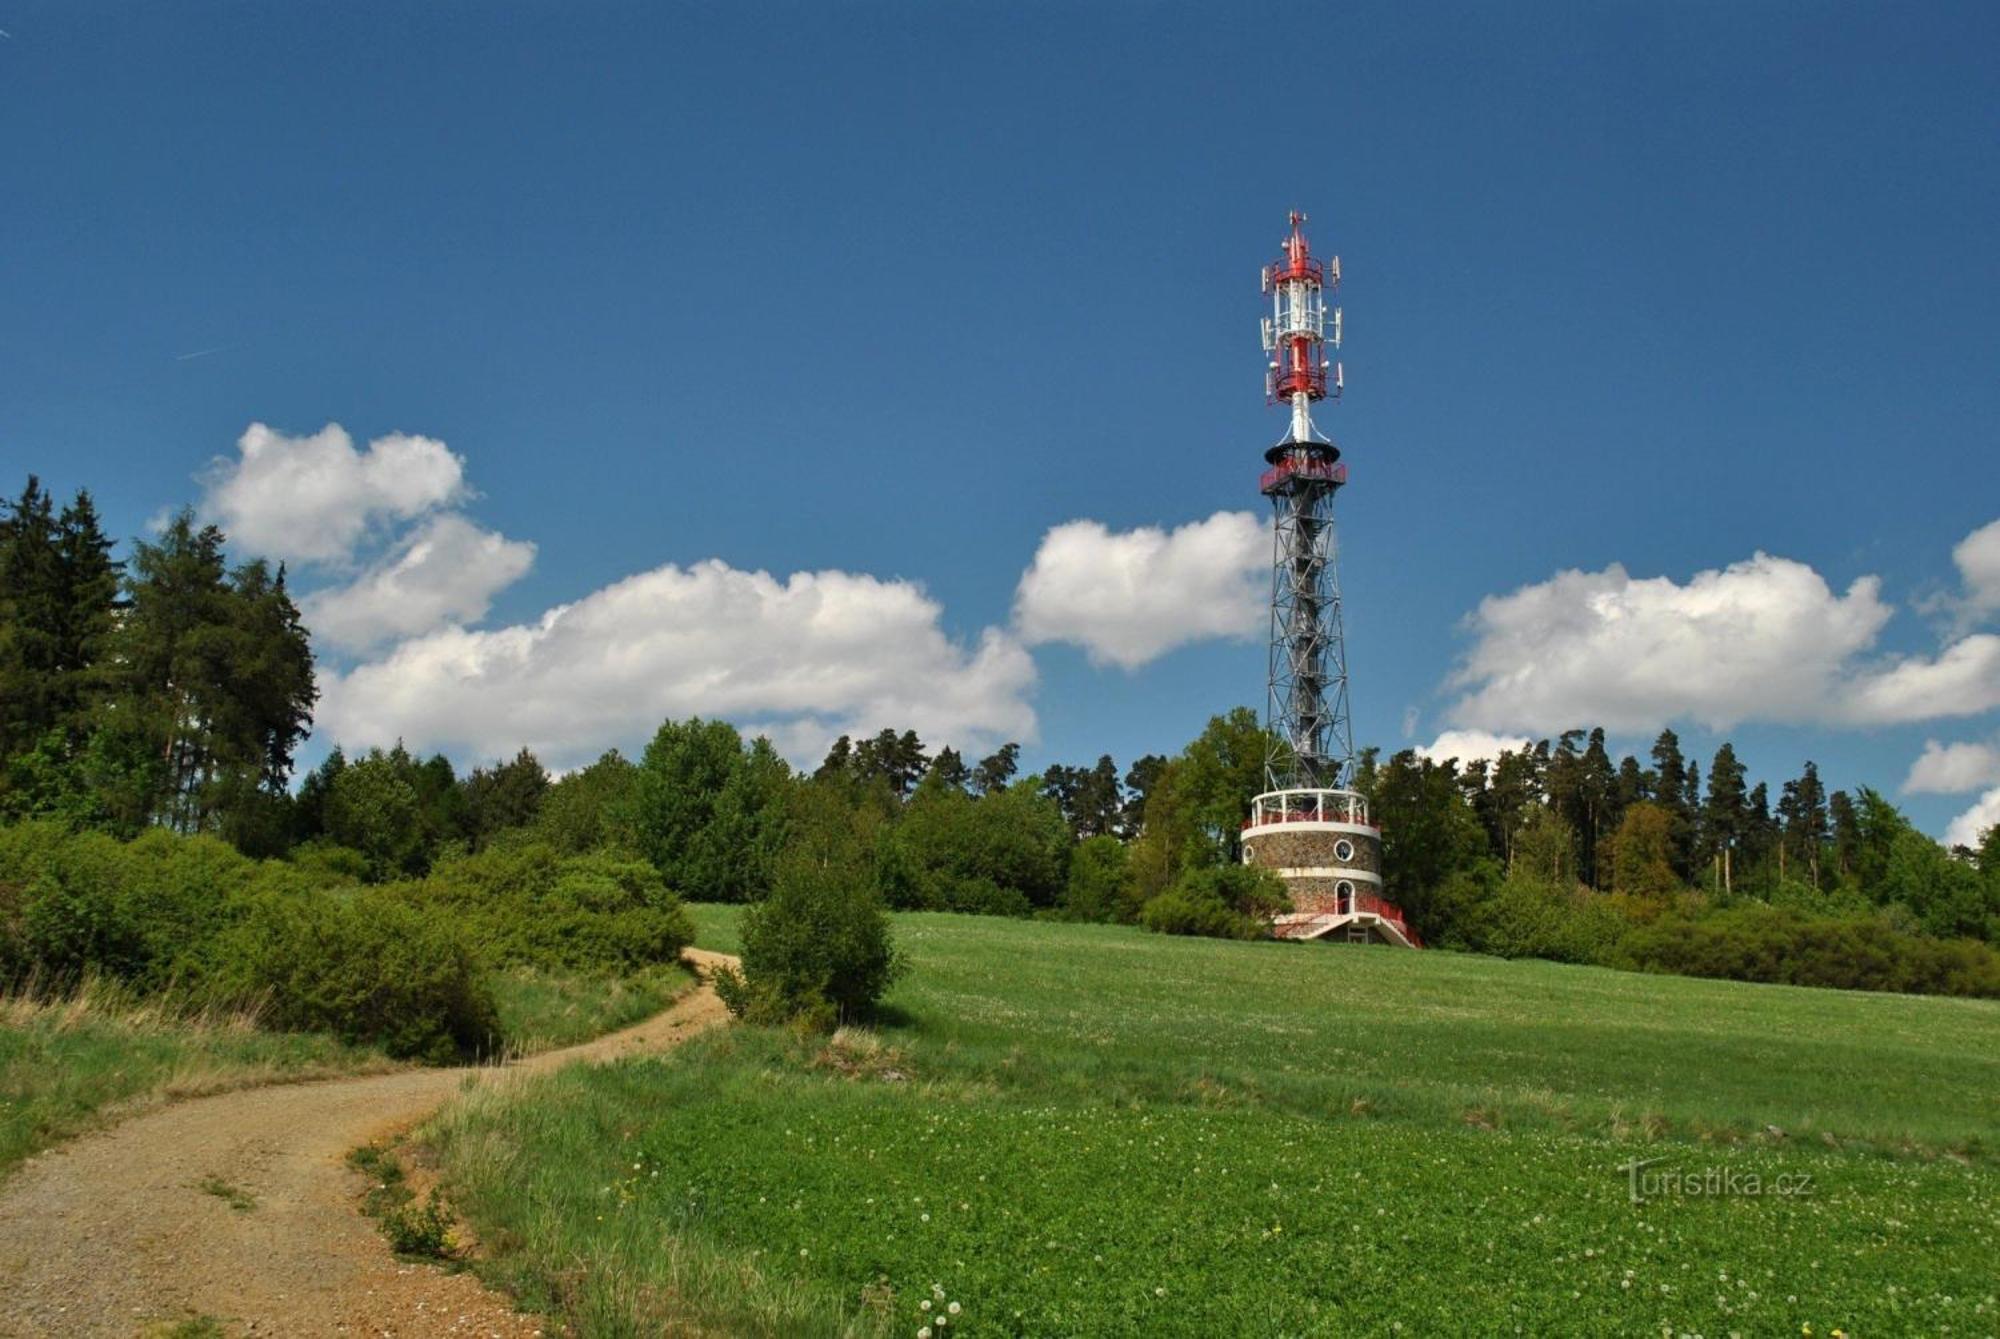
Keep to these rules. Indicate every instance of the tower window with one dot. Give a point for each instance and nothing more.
(1343, 851)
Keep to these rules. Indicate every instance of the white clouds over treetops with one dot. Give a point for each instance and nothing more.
(445, 571)
(814, 653)
(1953, 769)
(1128, 597)
(1765, 639)
(1469, 746)
(1970, 826)
(314, 498)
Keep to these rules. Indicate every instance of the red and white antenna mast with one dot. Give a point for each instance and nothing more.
(1296, 335)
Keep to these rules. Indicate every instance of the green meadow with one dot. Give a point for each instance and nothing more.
(1090, 1130)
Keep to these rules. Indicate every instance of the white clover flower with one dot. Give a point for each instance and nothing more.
(954, 1308)
(924, 1305)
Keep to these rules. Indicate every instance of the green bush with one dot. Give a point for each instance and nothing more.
(1526, 918)
(144, 912)
(1218, 901)
(1100, 882)
(818, 949)
(1755, 942)
(524, 905)
(372, 968)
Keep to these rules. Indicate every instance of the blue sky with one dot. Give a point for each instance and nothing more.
(894, 290)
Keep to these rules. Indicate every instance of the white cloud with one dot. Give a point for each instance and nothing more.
(1470, 746)
(1765, 638)
(1962, 680)
(813, 653)
(312, 499)
(446, 571)
(1978, 559)
(1952, 769)
(1129, 597)
(1970, 826)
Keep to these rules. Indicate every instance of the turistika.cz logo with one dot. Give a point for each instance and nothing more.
(1645, 1180)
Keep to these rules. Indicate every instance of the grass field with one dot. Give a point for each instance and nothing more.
(1088, 1130)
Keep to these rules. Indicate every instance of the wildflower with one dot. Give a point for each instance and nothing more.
(924, 1305)
(924, 1333)
(953, 1308)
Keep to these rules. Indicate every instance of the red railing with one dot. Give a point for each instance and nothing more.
(1388, 911)
(1286, 470)
(1289, 268)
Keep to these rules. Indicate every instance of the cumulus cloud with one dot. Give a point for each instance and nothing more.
(1962, 680)
(1970, 826)
(1978, 559)
(313, 499)
(814, 653)
(1953, 769)
(1470, 746)
(446, 571)
(1128, 597)
(1766, 638)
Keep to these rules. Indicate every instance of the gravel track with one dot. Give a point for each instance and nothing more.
(111, 1233)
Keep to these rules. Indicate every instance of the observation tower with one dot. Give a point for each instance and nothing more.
(1308, 827)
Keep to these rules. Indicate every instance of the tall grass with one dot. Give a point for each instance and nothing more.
(543, 1010)
(71, 1057)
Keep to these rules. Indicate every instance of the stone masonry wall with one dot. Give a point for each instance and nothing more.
(1280, 849)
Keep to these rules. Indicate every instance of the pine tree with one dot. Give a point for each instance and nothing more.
(1670, 793)
(950, 769)
(1725, 817)
(997, 769)
(1802, 812)
(31, 619)
(88, 616)
(1140, 779)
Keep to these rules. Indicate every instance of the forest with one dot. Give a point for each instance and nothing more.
(162, 700)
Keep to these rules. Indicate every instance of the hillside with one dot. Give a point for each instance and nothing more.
(1080, 1129)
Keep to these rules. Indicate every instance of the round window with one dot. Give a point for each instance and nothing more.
(1343, 851)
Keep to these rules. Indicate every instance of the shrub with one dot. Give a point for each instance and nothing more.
(1004, 854)
(1527, 918)
(818, 949)
(1100, 882)
(1219, 901)
(420, 1229)
(368, 969)
(526, 906)
(1780, 944)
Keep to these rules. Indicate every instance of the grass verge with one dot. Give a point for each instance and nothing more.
(542, 1011)
(68, 1062)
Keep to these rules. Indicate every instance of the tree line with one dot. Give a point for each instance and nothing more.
(170, 690)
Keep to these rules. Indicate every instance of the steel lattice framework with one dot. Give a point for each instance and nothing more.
(1307, 710)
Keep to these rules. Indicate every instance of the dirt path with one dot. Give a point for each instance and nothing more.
(112, 1235)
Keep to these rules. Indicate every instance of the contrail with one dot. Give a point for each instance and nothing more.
(202, 353)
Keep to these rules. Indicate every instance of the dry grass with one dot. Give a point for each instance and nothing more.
(79, 1056)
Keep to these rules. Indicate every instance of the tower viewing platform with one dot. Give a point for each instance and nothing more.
(1329, 855)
